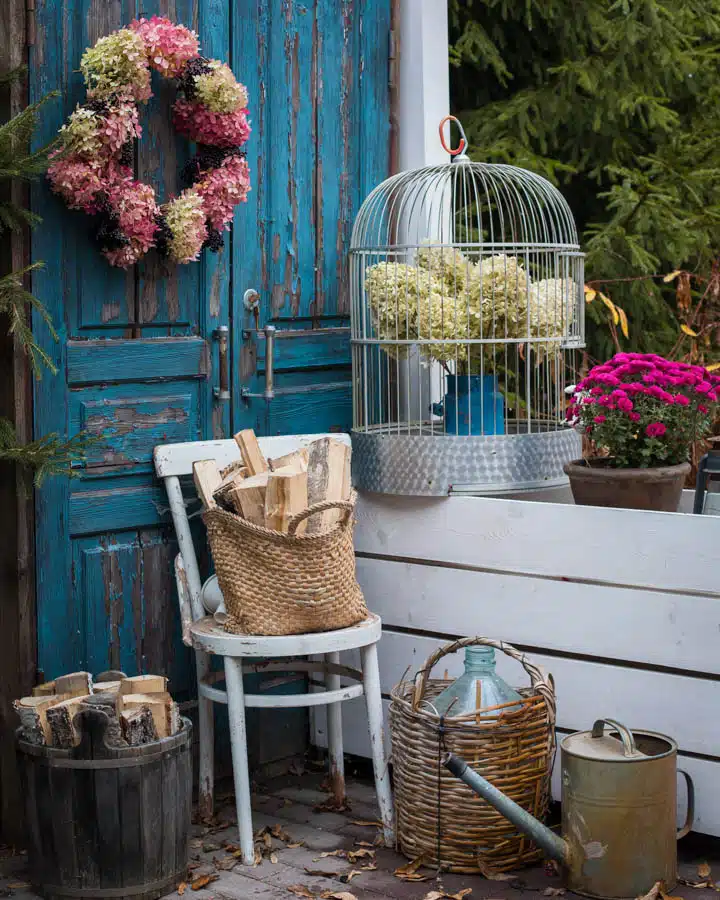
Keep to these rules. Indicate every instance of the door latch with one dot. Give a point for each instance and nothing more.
(221, 335)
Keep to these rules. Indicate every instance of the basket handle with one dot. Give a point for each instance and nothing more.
(541, 683)
(346, 505)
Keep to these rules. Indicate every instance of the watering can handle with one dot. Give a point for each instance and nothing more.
(625, 734)
(690, 817)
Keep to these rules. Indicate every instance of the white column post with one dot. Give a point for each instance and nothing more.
(424, 99)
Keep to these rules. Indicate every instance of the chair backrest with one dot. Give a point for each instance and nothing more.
(172, 461)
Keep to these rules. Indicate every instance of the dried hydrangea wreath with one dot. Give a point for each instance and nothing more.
(92, 170)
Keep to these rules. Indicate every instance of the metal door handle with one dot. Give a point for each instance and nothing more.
(269, 392)
(221, 335)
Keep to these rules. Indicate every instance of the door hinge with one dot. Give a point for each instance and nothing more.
(30, 23)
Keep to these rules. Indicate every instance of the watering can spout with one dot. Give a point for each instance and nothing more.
(555, 847)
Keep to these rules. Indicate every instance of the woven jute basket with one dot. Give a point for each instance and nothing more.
(277, 583)
(438, 816)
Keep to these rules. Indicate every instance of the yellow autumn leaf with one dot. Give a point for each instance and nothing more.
(688, 331)
(672, 276)
(590, 294)
(611, 306)
(623, 321)
(713, 368)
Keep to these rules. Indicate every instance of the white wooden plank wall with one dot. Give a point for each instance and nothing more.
(623, 607)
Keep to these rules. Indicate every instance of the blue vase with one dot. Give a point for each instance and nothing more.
(474, 405)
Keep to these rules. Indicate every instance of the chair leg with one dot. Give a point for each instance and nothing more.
(335, 735)
(206, 723)
(238, 745)
(373, 701)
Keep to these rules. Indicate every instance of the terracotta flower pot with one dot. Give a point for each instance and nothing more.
(595, 483)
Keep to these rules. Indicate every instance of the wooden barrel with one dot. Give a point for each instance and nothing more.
(108, 822)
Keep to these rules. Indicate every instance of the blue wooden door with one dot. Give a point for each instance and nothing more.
(136, 357)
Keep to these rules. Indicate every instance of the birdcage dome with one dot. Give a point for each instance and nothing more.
(467, 313)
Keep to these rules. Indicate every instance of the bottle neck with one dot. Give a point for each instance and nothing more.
(479, 660)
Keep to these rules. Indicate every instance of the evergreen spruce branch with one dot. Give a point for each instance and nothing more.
(48, 456)
(14, 300)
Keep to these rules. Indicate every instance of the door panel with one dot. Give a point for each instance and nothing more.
(137, 357)
(321, 142)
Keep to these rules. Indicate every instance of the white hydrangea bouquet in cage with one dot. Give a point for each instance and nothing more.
(445, 296)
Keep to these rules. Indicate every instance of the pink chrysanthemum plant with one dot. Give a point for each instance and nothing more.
(645, 411)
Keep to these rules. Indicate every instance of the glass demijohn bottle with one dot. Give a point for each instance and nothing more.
(478, 688)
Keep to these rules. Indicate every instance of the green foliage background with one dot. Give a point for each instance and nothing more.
(618, 103)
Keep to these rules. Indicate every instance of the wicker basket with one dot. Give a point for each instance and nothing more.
(277, 583)
(443, 819)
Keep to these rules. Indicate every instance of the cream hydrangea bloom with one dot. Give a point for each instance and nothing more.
(81, 132)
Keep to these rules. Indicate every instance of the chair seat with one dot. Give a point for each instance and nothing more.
(210, 636)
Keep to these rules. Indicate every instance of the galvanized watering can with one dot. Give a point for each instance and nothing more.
(619, 803)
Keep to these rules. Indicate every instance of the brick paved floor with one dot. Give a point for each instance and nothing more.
(289, 804)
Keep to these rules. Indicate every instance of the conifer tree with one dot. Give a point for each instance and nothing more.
(49, 455)
(616, 101)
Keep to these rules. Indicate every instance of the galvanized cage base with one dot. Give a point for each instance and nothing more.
(434, 465)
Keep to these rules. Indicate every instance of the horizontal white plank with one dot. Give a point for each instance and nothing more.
(670, 551)
(673, 630)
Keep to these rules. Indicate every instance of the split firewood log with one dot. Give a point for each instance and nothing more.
(223, 493)
(297, 460)
(328, 479)
(206, 476)
(250, 452)
(286, 496)
(248, 498)
(144, 684)
(138, 726)
(162, 707)
(32, 712)
(61, 719)
(44, 690)
(76, 684)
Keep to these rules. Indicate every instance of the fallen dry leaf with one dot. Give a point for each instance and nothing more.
(653, 893)
(363, 844)
(295, 845)
(664, 895)
(347, 877)
(704, 870)
(182, 887)
(229, 862)
(321, 873)
(409, 872)
(203, 881)
(196, 844)
(301, 891)
(442, 895)
(553, 892)
(363, 853)
(337, 895)
(327, 853)
(367, 823)
(273, 858)
(279, 832)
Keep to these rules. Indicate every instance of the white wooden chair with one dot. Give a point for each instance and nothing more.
(207, 636)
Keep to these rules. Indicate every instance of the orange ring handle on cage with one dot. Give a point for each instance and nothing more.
(463, 140)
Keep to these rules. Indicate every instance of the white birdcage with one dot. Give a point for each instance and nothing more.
(467, 312)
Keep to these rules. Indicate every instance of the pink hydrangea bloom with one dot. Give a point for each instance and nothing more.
(134, 203)
(207, 127)
(120, 125)
(169, 47)
(655, 429)
(222, 189)
(76, 180)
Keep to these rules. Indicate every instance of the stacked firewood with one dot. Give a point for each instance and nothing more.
(139, 709)
(270, 492)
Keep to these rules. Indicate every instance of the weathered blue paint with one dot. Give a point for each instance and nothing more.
(136, 356)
